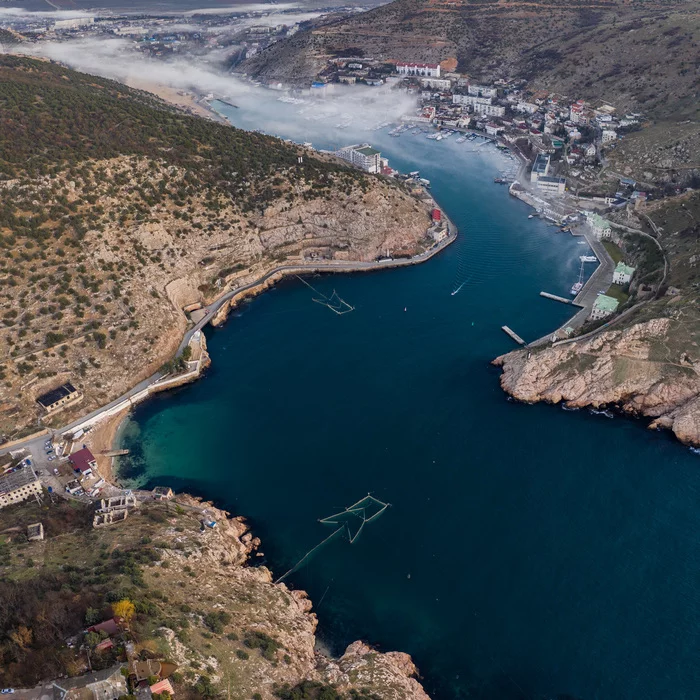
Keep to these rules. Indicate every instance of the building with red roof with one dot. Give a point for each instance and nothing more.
(83, 461)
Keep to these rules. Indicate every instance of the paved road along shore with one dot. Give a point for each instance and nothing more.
(142, 390)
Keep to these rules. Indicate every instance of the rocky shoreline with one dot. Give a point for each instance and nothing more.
(619, 368)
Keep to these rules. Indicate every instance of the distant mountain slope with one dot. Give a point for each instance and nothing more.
(640, 54)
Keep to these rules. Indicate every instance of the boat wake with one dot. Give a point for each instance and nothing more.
(456, 291)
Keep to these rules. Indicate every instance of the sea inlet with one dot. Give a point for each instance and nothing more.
(529, 552)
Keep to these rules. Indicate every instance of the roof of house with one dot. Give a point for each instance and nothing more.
(162, 686)
(541, 163)
(624, 269)
(549, 178)
(60, 392)
(417, 65)
(598, 221)
(16, 479)
(108, 683)
(605, 303)
(109, 626)
(367, 151)
(83, 460)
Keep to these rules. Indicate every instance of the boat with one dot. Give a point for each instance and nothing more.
(461, 139)
(578, 286)
(530, 216)
(588, 258)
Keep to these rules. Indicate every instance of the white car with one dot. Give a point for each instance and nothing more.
(55, 471)
(7, 691)
(51, 458)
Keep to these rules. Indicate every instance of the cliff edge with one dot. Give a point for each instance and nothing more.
(198, 607)
(634, 369)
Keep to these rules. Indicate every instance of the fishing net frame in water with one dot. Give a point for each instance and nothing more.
(343, 519)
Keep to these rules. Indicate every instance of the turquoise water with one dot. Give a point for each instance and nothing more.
(529, 551)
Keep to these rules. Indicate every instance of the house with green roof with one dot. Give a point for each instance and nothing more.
(603, 307)
(623, 273)
(601, 227)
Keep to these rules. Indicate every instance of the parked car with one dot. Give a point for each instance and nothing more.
(51, 458)
(7, 691)
(55, 471)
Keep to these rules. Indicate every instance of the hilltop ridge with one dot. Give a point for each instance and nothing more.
(606, 49)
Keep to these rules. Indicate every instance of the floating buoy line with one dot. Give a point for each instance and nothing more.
(334, 302)
(350, 521)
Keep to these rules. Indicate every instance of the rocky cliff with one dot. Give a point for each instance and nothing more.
(639, 369)
(226, 626)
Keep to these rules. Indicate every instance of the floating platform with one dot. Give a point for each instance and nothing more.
(513, 335)
(554, 297)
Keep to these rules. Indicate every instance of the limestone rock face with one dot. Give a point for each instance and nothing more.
(639, 369)
(224, 582)
(391, 675)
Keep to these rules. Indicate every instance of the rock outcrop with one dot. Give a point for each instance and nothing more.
(643, 370)
(225, 582)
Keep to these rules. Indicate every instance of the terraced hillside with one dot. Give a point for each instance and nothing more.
(639, 55)
(117, 211)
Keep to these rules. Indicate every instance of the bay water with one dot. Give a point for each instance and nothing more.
(528, 552)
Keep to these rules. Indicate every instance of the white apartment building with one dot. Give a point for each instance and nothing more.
(424, 70)
(18, 486)
(436, 83)
(481, 91)
(470, 100)
(551, 185)
(75, 23)
(526, 107)
(490, 110)
(362, 156)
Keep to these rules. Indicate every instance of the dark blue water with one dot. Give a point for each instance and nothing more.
(528, 551)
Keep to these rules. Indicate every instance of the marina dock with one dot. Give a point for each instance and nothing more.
(554, 297)
(513, 335)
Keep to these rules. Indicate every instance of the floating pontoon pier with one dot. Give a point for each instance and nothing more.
(554, 297)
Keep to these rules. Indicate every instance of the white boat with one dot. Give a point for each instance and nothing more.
(530, 216)
(588, 258)
(461, 139)
(578, 286)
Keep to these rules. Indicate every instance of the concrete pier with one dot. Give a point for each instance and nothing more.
(513, 335)
(554, 297)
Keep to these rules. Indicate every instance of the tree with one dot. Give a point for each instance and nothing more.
(124, 609)
(92, 639)
(22, 636)
(92, 616)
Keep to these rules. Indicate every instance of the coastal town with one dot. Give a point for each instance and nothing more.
(136, 217)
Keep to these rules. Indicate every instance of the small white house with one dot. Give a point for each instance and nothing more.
(603, 307)
(623, 273)
(600, 227)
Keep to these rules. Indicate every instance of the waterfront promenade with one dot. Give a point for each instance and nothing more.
(599, 281)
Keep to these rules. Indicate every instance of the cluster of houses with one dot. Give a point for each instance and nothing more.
(605, 305)
(142, 678)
